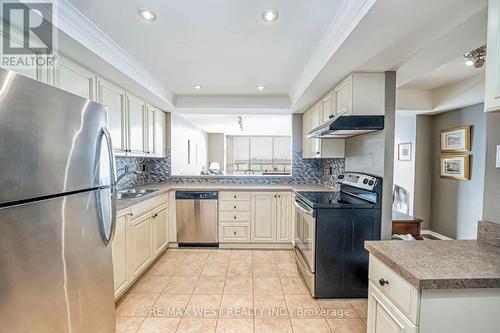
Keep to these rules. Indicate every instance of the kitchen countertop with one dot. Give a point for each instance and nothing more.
(166, 187)
(441, 264)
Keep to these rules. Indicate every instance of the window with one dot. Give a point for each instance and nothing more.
(259, 155)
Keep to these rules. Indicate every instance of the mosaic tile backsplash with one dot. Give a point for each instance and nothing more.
(304, 171)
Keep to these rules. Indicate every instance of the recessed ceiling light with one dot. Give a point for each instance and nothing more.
(196, 86)
(270, 15)
(260, 88)
(469, 63)
(147, 14)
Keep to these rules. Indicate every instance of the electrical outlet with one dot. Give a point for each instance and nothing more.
(498, 156)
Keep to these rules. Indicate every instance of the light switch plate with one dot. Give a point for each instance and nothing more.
(498, 156)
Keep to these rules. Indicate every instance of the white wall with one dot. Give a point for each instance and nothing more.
(182, 131)
(404, 171)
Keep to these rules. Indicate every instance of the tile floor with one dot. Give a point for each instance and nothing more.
(226, 291)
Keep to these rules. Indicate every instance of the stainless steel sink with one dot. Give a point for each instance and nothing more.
(134, 193)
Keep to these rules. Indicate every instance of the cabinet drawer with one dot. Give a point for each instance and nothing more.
(234, 216)
(234, 206)
(234, 232)
(234, 196)
(398, 290)
(148, 205)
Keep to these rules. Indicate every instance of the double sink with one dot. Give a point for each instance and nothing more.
(134, 193)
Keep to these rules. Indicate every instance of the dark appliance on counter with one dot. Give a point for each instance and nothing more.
(330, 231)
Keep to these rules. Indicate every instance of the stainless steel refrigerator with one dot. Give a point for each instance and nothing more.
(57, 210)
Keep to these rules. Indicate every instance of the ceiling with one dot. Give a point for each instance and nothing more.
(252, 124)
(222, 45)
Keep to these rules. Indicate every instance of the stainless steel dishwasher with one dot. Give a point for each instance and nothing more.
(196, 218)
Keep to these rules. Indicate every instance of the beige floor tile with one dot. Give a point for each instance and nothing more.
(219, 256)
(262, 285)
(264, 270)
(361, 307)
(236, 306)
(214, 269)
(365, 320)
(194, 325)
(287, 270)
(347, 325)
(159, 325)
(263, 257)
(136, 305)
(338, 309)
(196, 257)
(170, 305)
(302, 306)
(171, 256)
(284, 259)
(210, 285)
(164, 268)
(180, 285)
(273, 325)
(270, 306)
(190, 269)
(235, 326)
(240, 269)
(283, 253)
(203, 306)
(238, 285)
(294, 285)
(150, 285)
(128, 324)
(310, 326)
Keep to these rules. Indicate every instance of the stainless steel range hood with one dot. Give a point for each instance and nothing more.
(342, 127)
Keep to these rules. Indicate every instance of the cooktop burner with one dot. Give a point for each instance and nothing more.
(332, 199)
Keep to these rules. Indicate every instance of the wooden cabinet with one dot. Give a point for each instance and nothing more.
(119, 250)
(284, 217)
(113, 97)
(328, 107)
(76, 79)
(136, 131)
(160, 134)
(492, 68)
(343, 94)
(263, 217)
(140, 245)
(150, 130)
(159, 222)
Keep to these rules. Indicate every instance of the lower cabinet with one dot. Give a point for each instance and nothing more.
(141, 235)
(271, 217)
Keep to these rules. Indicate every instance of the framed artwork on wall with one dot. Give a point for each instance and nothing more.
(404, 151)
(456, 139)
(455, 167)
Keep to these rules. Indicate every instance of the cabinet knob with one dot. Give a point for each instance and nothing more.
(130, 214)
(234, 207)
(235, 217)
(383, 282)
(330, 116)
(234, 232)
(317, 153)
(235, 197)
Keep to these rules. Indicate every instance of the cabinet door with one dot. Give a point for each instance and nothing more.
(316, 115)
(140, 245)
(263, 217)
(76, 79)
(160, 226)
(492, 83)
(284, 217)
(160, 136)
(119, 250)
(150, 130)
(136, 126)
(113, 98)
(310, 147)
(328, 107)
(343, 96)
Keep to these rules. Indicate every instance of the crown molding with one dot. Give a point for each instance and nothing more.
(76, 25)
(345, 21)
(233, 102)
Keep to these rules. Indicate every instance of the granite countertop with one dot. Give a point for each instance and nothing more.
(166, 187)
(441, 264)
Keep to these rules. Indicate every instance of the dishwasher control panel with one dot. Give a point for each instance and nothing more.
(201, 195)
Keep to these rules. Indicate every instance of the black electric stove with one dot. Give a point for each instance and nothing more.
(330, 231)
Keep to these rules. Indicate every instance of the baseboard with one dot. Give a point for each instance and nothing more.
(280, 246)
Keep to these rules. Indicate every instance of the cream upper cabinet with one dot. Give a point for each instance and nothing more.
(113, 97)
(159, 222)
(119, 252)
(136, 111)
(263, 217)
(160, 134)
(140, 246)
(328, 107)
(75, 79)
(342, 93)
(316, 116)
(284, 217)
(150, 130)
(492, 82)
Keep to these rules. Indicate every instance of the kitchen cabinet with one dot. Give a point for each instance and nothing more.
(119, 251)
(160, 134)
(492, 68)
(113, 97)
(140, 245)
(150, 130)
(343, 94)
(284, 217)
(76, 79)
(328, 107)
(263, 217)
(159, 222)
(137, 127)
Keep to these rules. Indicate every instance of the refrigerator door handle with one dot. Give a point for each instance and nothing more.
(107, 136)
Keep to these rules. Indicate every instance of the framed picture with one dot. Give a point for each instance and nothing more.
(455, 139)
(404, 151)
(455, 167)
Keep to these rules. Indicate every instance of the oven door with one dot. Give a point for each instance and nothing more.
(305, 234)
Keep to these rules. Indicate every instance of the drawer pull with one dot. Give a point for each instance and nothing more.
(383, 282)
(130, 214)
(234, 207)
(235, 217)
(235, 232)
(235, 197)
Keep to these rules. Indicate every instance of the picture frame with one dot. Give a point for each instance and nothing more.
(457, 139)
(455, 167)
(404, 151)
